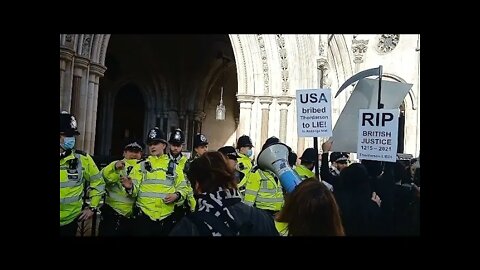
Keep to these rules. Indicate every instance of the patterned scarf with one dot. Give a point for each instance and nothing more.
(212, 216)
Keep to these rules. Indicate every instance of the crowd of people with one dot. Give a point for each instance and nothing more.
(161, 192)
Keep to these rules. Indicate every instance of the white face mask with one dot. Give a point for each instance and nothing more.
(249, 153)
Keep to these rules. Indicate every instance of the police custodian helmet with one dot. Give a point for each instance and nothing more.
(68, 124)
(199, 139)
(177, 137)
(339, 156)
(156, 135)
(133, 145)
(244, 141)
(310, 155)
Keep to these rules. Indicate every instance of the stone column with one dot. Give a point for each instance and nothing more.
(80, 108)
(66, 77)
(96, 71)
(190, 132)
(246, 102)
(265, 102)
(283, 101)
(198, 117)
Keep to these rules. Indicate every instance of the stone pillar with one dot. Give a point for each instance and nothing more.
(96, 71)
(198, 117)
(190, 132)
(246, 102)
(81, 96)
(283, 101)
(265, 102)
(66, 77)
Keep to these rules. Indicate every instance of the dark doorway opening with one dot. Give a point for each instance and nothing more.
(128, 117)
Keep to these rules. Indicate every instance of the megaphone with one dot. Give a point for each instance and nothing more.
(275, 159)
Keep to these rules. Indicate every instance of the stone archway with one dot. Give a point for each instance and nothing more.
(128, 118)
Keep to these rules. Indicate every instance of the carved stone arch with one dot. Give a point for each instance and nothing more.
(240, 59)
(96, 46)
(103, 49)
(340, 60)
(246, 47)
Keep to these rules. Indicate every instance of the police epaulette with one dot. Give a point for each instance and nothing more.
(81, 152)
(140, 160)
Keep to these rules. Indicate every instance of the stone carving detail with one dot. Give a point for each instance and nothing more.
(359, 48)
(87, 41)
(283, 61)
(387, 42)
(244, 62)
(69, 40)
(263, 54)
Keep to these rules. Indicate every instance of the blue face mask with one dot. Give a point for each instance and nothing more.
(68, 143)
(249, 153)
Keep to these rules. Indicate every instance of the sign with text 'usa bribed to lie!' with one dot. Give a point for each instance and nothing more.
(377, 134)
(314, 113)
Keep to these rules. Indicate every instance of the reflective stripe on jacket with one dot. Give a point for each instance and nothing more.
(152, 186)
(117, 197)
(71, 185)
(245, 163)
(263, 191)
(304, 172)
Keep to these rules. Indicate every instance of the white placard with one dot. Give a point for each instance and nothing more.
(364, 96)
(377, 134)
(314, 113)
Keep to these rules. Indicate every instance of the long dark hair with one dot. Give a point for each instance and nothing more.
(211, 171)
(311, 210)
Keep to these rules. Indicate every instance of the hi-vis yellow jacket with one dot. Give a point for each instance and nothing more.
(304, 172)
(263, 191)
(151, 185)
(189, 197)
(245, 163)
(74, 170)
(117, 197)
(282, 228)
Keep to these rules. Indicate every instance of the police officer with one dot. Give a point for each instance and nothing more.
(117, 211)
(232, 157)
(177, 159)
(308, 161)
(76, 168)
(200, 146)
(263, 189)
(339, 162)
(244, 147)
(156, 188)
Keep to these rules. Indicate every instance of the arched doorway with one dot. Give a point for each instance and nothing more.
(128, 117)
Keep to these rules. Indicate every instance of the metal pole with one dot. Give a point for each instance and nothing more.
(379, 104)
(315, 139)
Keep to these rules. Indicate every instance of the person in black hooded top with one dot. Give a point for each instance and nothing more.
(360, 207)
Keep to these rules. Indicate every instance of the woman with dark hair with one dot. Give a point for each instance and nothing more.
(310, 210)
(219, 210)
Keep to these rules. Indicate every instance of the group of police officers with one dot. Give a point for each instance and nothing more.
(148, 195)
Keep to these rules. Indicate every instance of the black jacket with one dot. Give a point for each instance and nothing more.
(251, 221)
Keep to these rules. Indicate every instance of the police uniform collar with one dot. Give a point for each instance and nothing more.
(170, 156)
(67, 155)
(243, 155)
